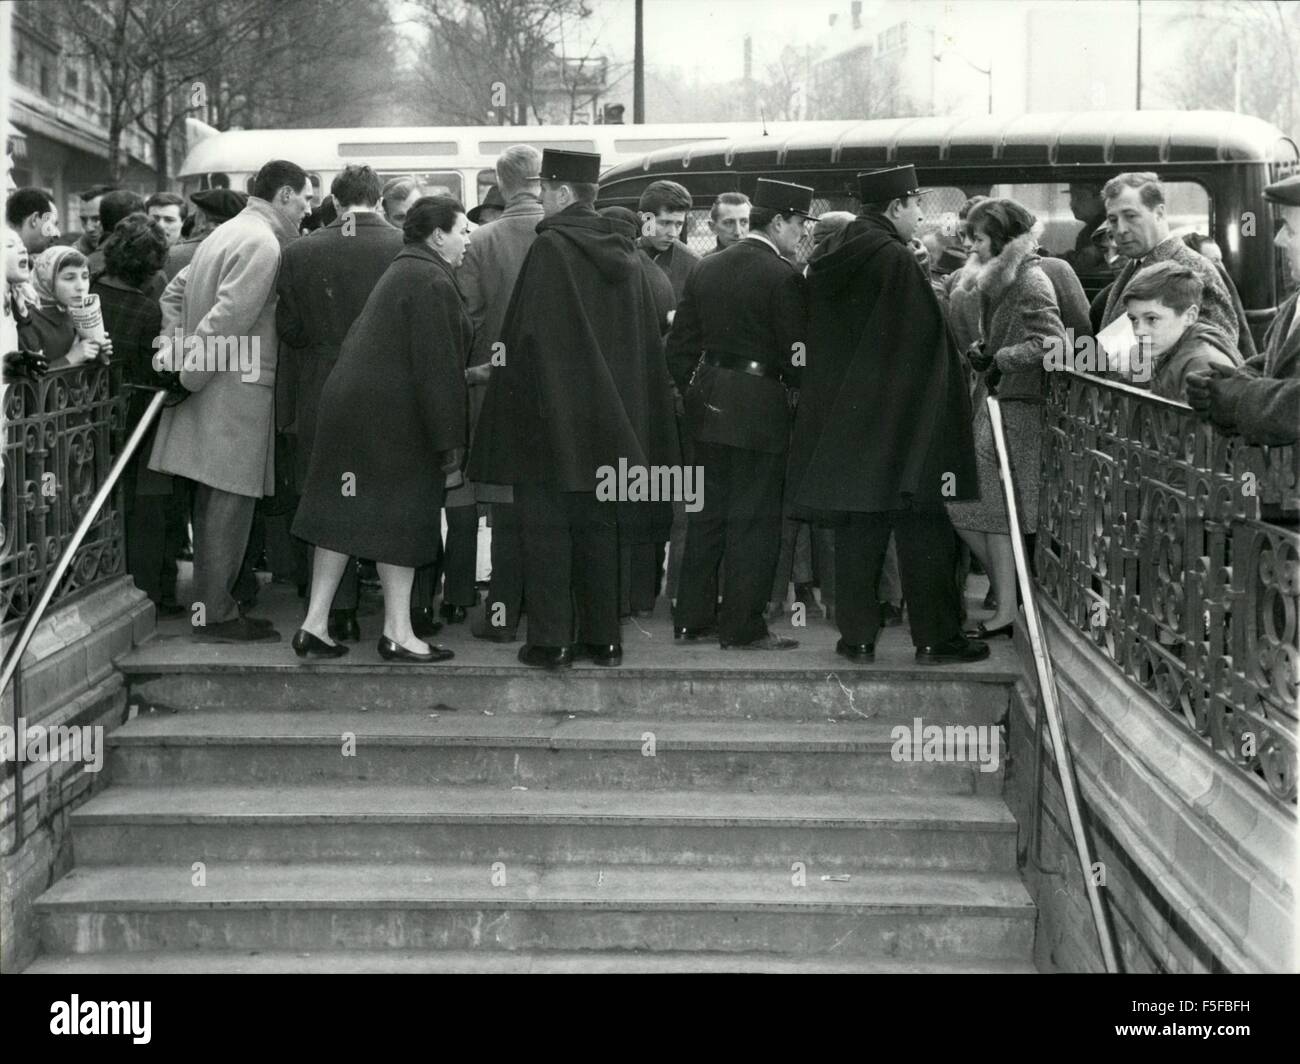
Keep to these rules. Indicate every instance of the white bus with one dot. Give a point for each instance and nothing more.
(452, 160)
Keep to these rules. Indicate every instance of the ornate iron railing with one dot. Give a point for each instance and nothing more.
(60, 434)
(1159, 538)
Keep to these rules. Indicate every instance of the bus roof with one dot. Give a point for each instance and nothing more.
(421, 147)
(1110, 138)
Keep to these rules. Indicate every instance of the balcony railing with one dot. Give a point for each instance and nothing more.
(60, 434)
(1174, 549)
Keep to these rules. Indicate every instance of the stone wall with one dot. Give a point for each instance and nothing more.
(68, 680)
(1199, 863)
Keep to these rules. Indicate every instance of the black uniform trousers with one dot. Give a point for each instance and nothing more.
(570, 561)
(460, 556)
(738, 527)
(927, 552)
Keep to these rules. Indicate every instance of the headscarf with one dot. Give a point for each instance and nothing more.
(46, 268)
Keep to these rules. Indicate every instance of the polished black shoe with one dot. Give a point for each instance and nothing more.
(236, 630)
(391, 651)
(954, 652)
(608, 654)
(981, 632)
(856, 651)
(424, 623)
(690, 635)
(307, 645)
(344, 626)
(767, 642)
(453, 614)
(546, 657)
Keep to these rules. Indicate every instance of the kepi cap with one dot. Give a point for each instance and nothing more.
(219, 203)
(881, 186)
(1285, 192)
(492, 199)
(783, 197)
(579, 167)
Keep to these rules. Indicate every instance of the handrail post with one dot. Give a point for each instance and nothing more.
(1047, 693)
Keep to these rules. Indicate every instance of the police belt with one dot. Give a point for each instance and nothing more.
(741, 365)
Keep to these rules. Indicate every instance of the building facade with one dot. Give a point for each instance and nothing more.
(59, 107)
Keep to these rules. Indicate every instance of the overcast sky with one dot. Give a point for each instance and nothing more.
(709, 34)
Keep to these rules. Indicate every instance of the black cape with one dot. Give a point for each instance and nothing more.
(883, 411)
(584, 382)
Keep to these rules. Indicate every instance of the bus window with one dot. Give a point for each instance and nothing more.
(1065, 211)
(432, 183)
(496, 147)
(486, 179)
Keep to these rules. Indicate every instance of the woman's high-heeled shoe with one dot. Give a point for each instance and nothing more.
(980, 632)
(307, 645)
(393, 651)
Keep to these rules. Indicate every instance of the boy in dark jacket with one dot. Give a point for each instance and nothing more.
(1164, 302)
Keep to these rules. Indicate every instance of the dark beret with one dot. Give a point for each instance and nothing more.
(220, 203)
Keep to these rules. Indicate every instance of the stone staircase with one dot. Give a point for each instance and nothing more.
(693, 811)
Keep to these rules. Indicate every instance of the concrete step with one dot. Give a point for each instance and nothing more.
(569, 752)
(182, 824)
(502, 962)
(353, 905)
(674, 685)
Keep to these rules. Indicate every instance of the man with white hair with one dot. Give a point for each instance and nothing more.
(486, 278)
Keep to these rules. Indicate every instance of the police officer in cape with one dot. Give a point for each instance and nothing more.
(735, 352)
(583, 388)
(883, 435)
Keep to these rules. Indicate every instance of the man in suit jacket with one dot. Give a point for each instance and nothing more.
(1135, 211)
(663, 208)
(325, 280)
(1261, 400)
(733, 351)
(222, 436)
(728, 220)
(487, 278)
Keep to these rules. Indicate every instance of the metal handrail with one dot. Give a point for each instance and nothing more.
(1047, 696)
(13, 656)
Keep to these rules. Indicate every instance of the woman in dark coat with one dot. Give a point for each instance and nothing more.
(391, 428)
(133, 253)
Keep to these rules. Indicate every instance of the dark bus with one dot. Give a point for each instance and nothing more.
(1214, 165)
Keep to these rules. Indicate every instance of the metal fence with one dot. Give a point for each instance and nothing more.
(1160, 540)
(60, 434)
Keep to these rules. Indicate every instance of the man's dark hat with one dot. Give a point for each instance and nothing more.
(783, 197)
(1285, 192)
(881, 186)
(492, 199)
(219, 203)
(579, 167)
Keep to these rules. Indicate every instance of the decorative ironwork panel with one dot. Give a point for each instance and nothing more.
(1174, 549)
(60, 436)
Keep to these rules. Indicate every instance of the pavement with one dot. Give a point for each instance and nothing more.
(648, 643)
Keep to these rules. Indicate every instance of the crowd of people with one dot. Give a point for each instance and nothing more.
(384, 362)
